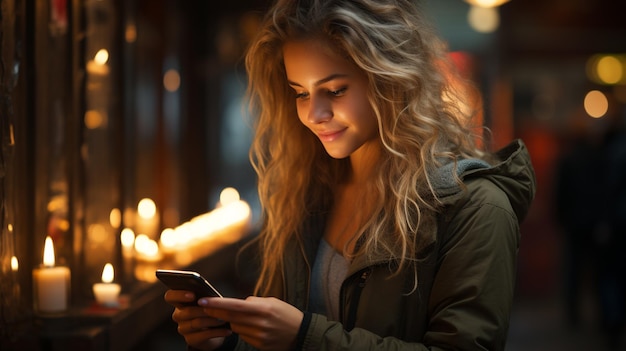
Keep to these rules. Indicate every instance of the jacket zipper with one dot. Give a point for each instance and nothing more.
(356, 296)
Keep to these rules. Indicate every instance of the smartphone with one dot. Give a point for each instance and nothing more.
(187, 280)
(190, 281)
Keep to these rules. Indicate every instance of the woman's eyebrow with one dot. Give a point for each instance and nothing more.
(321, 81)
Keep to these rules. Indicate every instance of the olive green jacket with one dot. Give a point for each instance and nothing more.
(465, 282)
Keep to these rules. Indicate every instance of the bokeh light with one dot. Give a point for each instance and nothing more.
(483, 19)
(596, 104)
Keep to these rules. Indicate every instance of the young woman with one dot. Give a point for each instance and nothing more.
(385, 224)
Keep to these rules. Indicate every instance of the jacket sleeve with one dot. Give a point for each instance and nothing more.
(472, 291)
(472, 294)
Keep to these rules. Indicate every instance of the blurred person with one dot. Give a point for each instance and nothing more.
(591, 209)
(578, 203)
(610, 234)
(386, 223)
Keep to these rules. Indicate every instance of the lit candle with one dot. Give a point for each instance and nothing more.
(147, 221)
(168, 241)
(127, 237)
(147, 249)
(15, 266)
(98, 66)
(107, 292)
(51, 283)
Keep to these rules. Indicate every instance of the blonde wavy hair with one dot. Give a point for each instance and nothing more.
(421, 122)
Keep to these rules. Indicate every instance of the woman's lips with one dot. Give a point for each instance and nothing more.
(328, 136)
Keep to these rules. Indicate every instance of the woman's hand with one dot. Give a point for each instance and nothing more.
(201, 331)
(265, 323)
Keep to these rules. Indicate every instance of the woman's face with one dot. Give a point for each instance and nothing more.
(331, 97)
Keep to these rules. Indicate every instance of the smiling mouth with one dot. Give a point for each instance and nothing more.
(330, 136)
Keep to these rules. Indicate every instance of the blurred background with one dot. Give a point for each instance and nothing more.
(123, 121)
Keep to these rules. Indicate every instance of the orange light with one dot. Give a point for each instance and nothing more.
(596, 104)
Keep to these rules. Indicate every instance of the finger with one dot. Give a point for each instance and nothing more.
(208, 323)
(232, 309)
(199, 341)
(250, 306)
(224, 303)
(180, 297)
(205, 337)
(185, 313)
(198, 325)
(235, 310)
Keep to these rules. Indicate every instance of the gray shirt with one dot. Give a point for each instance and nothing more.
(329, 271)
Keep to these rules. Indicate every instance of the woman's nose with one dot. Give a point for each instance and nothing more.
(320, 110)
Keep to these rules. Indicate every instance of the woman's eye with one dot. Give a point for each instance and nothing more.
(302, 95)
(338, 92)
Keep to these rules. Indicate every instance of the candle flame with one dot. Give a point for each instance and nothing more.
(107, 273)
(168, 238)
(48, 253)
(146, 208)
(101, 57)
(228, 195)
(115, 218)
(128, 237)
(14, 264)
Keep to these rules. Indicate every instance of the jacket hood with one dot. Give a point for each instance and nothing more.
(513, 173)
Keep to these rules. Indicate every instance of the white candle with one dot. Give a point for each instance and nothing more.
(107, 292)
(51, 283)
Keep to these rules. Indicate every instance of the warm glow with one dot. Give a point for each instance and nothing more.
(171, 80)
(483, 19)
(108, 273)
(205, 225)
(94, 119)
(97, 233)
(57, 203)
(199, 236)
(487, 3)
(146, 208)
(146, 246)
(609, 69)
(14, 264)
(131, 33)
(168, 238)
(48, 253)
(127, 237)
(228, 195)
(102, 56)
(596, 104)
(140, 241)
(115, 218)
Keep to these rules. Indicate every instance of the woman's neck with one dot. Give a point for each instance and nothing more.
(364, 163)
